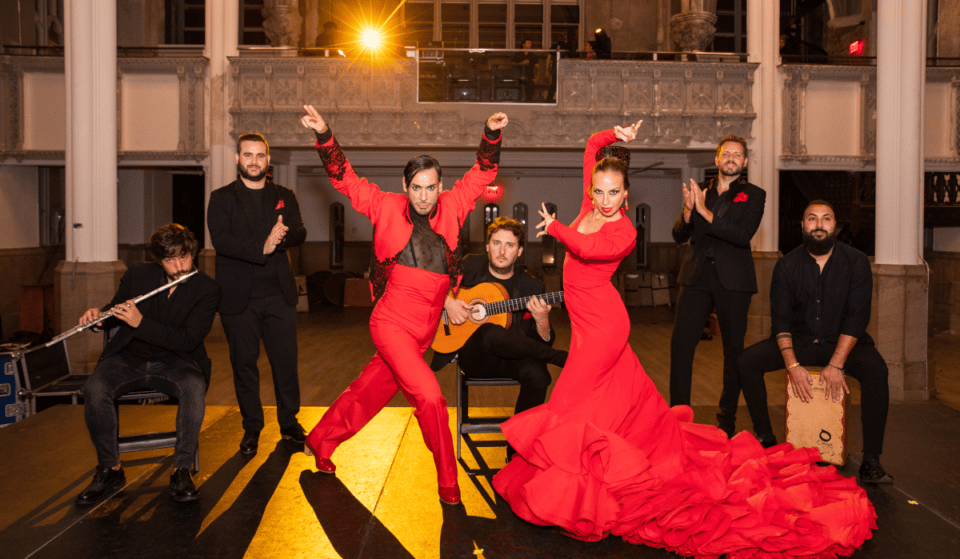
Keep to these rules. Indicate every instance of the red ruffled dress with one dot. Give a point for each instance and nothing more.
(607, 455)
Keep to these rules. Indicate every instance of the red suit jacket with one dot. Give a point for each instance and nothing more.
(390, 211)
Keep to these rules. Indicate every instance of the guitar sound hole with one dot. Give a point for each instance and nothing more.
(479, 313)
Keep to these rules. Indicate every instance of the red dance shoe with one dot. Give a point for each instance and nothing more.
(325, 465)
(450, 495)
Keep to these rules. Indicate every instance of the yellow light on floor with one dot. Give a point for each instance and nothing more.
(371, 39)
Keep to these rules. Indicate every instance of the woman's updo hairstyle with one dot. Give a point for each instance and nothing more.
(614, 158)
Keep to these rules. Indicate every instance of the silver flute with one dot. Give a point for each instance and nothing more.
(108, 314)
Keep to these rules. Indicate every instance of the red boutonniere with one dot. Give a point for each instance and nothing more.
(280, 204)
(527, 315)
(742, 197)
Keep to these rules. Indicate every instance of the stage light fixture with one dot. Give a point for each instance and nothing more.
(371, 39)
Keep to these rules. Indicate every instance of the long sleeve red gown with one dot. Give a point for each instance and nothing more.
(607, 455)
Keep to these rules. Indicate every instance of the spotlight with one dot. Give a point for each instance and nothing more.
(371, 39)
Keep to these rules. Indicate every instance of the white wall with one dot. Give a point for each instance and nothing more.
(44, 111)
(150, 112)
(938, 120)
(832, 125)
(19, 207)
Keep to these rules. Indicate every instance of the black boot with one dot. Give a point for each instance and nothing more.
(767, 439)
(105, 482)
(182, 488)
(872, 472)
(559, 358)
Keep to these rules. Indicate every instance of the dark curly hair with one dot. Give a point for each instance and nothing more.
(173, 240)
(511, 225)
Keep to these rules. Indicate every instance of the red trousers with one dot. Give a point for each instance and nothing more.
(402, 326)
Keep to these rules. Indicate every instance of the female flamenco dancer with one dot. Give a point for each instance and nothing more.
(606, 455)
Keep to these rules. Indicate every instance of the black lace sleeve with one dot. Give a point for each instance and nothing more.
(454, 262)
(488, 154)
(333, 159)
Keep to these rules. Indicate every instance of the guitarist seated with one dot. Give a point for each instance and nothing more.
(521, 351)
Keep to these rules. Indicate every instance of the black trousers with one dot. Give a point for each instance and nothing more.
(274, 321)
(694, 305)
(115, 376)
(864, 364)
(494, 352)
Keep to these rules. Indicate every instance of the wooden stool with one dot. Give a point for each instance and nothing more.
(819, 423)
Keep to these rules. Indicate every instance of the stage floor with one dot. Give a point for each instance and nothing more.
(382, 503)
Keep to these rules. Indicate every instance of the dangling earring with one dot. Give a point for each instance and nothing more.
(626, 204)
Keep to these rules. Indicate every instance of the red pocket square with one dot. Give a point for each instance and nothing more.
(280, 204)
(742, 197)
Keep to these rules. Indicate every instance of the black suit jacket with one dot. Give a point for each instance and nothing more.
(179, 327)
(232, 222)
(734, 224)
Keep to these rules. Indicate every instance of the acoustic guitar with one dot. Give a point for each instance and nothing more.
(490, 304)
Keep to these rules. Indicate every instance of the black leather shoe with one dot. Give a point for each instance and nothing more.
(248, 444)
(182, 488)
(105, 483)
(872, 472)
(559, 358)
(767, 439)
(294, 433)
(728, 427)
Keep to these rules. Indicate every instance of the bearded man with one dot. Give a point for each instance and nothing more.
(252, 223)
(717, 272)
(820, 299)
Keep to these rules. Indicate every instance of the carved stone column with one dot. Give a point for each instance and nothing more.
(692, 29)
(282, 22)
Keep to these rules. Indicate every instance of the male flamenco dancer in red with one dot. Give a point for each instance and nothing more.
(415, 265)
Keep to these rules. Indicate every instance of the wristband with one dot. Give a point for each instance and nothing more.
(837, 368)
(797, 364)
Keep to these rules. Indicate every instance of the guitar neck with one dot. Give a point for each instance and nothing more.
(513, 305)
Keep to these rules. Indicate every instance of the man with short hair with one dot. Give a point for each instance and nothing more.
(252, 223)
(521, 352)
(820, 299)
(717, 273)
(415, 264)
(157, 345)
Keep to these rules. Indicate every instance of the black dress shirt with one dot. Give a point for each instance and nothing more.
(814, 305)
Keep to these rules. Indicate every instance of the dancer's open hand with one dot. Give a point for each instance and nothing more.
(547, 220)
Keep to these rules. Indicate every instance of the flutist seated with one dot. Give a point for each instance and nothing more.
(157, 345)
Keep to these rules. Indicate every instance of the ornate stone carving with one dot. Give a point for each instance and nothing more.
(679, 103)
(692, 31)
(282, 22)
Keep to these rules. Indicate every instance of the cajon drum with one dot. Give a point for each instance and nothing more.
(819, 423)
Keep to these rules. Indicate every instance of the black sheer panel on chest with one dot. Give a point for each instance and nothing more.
(425, 249)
